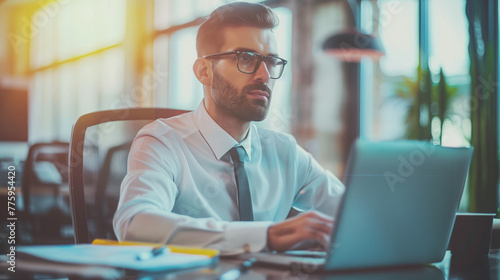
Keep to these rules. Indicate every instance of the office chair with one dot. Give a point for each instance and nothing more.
(100, 143)
(109, 179)
(44, 181)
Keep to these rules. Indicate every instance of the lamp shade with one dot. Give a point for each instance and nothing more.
(352, 45)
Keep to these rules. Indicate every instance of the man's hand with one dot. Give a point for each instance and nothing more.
(309, 226)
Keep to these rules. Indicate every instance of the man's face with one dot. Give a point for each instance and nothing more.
(244, 96)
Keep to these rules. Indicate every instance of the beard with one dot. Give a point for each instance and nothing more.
(228, 100)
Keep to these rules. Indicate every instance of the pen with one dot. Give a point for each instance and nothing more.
(235, 273)
(153, 253)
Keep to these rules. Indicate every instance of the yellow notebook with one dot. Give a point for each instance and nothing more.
(173, 248)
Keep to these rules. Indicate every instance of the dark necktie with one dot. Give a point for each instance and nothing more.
(244, 197)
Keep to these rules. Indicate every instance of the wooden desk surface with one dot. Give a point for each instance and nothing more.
(450, 268)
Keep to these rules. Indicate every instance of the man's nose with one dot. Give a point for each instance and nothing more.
(262, 73)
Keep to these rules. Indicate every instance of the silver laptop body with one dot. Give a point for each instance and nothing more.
(398, 209)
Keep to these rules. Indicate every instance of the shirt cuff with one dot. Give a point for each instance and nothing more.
(244, 237)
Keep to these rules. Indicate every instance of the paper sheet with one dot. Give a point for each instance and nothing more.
(112, 256)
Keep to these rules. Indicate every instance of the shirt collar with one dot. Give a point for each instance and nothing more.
(217, 138)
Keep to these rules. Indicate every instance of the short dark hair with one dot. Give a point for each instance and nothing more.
(210, 37)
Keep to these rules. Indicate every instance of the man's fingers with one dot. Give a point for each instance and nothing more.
(324, 241)
(321, 226)
(286, 242)
(318, 215)
(317, 223)
(283, 243)
(308, 226)
(314, 231)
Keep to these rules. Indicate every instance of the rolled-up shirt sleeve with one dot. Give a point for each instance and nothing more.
(148, 195)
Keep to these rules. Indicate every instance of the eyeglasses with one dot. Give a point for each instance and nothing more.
(249, 62)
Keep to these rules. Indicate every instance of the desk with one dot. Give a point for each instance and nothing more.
(449, 268)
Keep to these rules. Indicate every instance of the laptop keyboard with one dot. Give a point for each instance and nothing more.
(304, 254)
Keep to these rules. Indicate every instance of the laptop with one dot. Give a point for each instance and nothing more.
(398, 209)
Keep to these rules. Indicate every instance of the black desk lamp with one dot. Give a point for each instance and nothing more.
(351, 44)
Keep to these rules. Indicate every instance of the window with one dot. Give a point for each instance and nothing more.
(382, 112)
(449, 41)
(77, 60)
(387, 86)
(186, 91)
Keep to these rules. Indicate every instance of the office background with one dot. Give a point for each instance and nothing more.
(62, 59)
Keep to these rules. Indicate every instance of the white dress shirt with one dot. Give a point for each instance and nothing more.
(180, 186)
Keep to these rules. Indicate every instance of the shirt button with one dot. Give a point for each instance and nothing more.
(246, 248)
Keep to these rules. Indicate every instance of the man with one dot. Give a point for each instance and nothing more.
(210, 177)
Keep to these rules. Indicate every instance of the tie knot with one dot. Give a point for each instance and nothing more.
(237, 154)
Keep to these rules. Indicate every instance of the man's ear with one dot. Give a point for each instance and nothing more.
(203, 71)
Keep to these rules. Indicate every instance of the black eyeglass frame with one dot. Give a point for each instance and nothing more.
(260, 58)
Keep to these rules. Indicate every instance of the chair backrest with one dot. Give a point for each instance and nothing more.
(99, 148)
(46, 164)
(44, 179)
